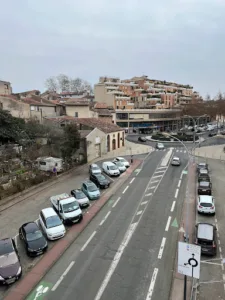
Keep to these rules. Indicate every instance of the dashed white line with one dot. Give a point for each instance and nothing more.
(104, 219)
(139, 212)
(63, 275)
(176, 194)
(159, 172)
(219, 242)
(88, 241)
(138, 172)
(157, 176)
(132, 180)
(220, 249)
(162, 248)
(147, 195)
(152, 284)
(116, 202)
(216, 220)
(143, 203)
(222, 266)
(223, 277)
(125, 189)
(152, 187)
(179, 183)
(168, 224)
(173, 205)
(161, 168)
(116, 260)
(155, 181)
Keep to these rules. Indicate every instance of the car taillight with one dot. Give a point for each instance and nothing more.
(212, 207)
(214, 246)
(200, 206)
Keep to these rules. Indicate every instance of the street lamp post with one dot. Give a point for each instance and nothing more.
(194, 123)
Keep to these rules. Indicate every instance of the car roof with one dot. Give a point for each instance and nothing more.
(109, 163)
(202, 164)
(206, 198)
(88, 182)
(176, 157)
(119, 157)
(48, 212)
(205, 231)
(94, 165)
(30, 227)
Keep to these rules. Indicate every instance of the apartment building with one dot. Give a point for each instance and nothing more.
(5, 88)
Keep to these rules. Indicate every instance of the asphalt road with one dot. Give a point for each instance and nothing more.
(127, 252)
(212, 276)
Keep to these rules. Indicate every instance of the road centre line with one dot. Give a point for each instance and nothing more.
(132, 180)
(125, 189)
(116, 260)
(143, 203)
(173, 205)
(63, 275)
(179, 183)
(162, 248)
(116, 202)
(176, 194)
(152, 284)
(88, 241)
(168, 224)
(104, 219)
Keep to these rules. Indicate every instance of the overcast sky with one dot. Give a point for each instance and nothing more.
(177, 40)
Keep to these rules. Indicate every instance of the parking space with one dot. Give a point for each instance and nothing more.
(29, 210)
(211, 283)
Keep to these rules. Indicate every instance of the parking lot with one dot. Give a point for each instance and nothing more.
(29, 210)
(212, 276)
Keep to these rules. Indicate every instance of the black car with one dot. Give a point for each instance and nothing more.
(204, 177)
(205, 237)
(204, 188)
(142, 139)
(211, 134)
(33, 238)
(100, 180)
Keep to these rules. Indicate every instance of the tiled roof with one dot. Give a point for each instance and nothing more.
(77, 102)
(97, 123)
(100, 105)
(84, 133)
(35, 102)
(60, 119)
(104, 112)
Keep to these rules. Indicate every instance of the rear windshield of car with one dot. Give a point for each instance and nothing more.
(203, 171)
(79, 195)
(204, 183)
(92, 188)
(53, 221)
(205, 242)
(206, 204)
(33, 236)
(100, 177)
(6, 248)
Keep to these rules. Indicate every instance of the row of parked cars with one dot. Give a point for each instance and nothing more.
(66, 209)
(205, 231)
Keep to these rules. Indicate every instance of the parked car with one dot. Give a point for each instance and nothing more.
(110, 168)
(160, 146)
(33, 239)
(206, 205)
(205, 188)
(100, 180)
(120, 166)
(81, 198)
(205, 237)
(204, 177)
(94, 169)
(175, 161)
(142, 139)
(203, 172)
(211, 134)
(10, 267)
(90, 190)
(202, 166)
(123, 160)
(51, 224)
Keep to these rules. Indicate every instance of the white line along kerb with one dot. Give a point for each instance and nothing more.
(132, 180)
(104, 219)
(168, 224)
(152, 284)
(125, 189)
(63, 275)
(173, 205)
(176, 194)
(116, 202)
(162, 248)
(88, 241)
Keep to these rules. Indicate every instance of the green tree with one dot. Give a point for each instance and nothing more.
(71, 141)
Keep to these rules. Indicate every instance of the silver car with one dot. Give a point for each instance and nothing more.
(95, 169)
(175, 161)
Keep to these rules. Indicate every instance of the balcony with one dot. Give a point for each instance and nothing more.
(111, 87)
(122, 98)
(116, 92)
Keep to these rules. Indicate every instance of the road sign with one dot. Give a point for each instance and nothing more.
(189, 258)
(40, 291)
(185, 172)
(182, 229)
(174, 224)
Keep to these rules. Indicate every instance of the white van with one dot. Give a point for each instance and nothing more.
(110, 168)
(51, 224)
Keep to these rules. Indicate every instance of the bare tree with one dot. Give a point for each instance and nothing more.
(63, 82)
(75, 85)
(207, 98)
(219, 96)
(51, 84)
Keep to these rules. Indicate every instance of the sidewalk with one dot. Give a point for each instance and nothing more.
(215, 152)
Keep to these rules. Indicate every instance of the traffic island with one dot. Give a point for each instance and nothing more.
(24, 287)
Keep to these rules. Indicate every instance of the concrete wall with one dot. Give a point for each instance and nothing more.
(17, 109)
(83, 111)
(96, 144)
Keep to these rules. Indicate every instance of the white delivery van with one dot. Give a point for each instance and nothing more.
(110, 168)
(49, 164)
(67, 208)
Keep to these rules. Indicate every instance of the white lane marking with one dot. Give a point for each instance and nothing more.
(168, 224)
(138, 172)
(152, 284)
(176, 194)
(152, 187)
(104, 219)
(173, 205)
(116, 260)
(179, 183)
(158, 176)
(132, 180)
(155, 181)
(88, 241)
(125, 189)
(148, 194)
(166, 159)
(63, 275)
(116, 202)
(143, 203)
(184, 151)
(220, 249)
(139, 212)
(219, 242)
(216, 220)
(159, 172)
(161, 168)
(162, 248)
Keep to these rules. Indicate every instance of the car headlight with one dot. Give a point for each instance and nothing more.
(31, 250)
(19, 271)
(1, 278)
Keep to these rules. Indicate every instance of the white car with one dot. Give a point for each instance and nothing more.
(81, 198)
(120, 166)
(175, 161)
(95, 169)
(160, 146)
(51, 224)
(110, 168)
(123, 160)
(206, 205)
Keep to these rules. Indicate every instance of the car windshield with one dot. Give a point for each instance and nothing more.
(204, 183)
(68, 207)
(202, 165)
(112, 167)
(53, 221)
(203, 171)
(33, 236)
(95, 168)
(176, 158)
(92, 188)
(101, 177)
(119, 164)
(206, 204)
(122, 160)
(6, 248)
(79, 195)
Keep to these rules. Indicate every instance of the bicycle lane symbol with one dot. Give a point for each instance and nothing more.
(40, 291)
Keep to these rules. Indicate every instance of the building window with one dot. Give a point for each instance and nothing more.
(76, 114)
